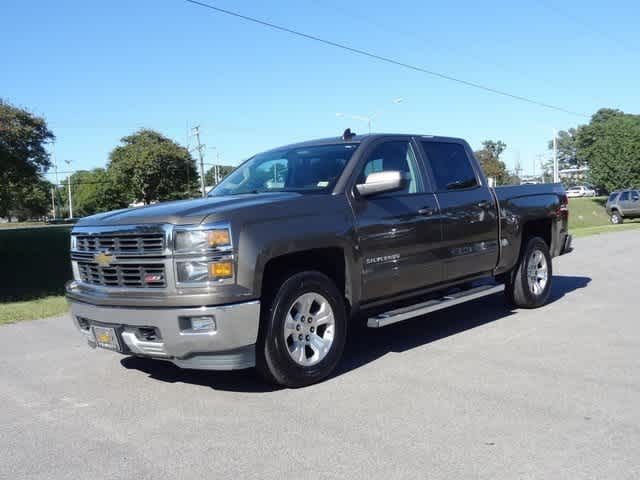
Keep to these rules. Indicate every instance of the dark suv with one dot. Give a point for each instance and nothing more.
(623, 204)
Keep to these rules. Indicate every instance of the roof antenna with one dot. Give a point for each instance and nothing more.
(348, 135)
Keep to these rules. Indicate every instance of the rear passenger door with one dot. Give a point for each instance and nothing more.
(625, 204)
(467, 208)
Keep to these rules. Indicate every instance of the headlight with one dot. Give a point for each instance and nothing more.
(203, 271)
(203, 255)
(199, 241)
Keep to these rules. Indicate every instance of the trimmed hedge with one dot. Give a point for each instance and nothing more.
(34, 262)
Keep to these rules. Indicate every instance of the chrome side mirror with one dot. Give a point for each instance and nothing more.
(382, 182)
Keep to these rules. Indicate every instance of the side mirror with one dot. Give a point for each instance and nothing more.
(382, 182)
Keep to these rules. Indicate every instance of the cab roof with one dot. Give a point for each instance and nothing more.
(357, 139)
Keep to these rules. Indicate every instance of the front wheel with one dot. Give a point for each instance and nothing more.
(529, 284)
(303, 331)
(616, 218)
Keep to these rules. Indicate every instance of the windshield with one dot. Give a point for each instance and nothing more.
(305, 169)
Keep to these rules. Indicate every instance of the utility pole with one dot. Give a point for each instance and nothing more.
(68, 162)
(540, 163)
(188, 162)
(518, 167)
(55, 166)
(199, 147)
(556, 174)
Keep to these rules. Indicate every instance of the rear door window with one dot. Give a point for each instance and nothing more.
(450, 165)
(624, 197)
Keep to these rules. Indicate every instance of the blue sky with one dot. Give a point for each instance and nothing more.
(98, 71)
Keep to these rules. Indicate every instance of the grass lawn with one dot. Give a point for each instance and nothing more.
(21, 224)
(32, 309)
(587, 216)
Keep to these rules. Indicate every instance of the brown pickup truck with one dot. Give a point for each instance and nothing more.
(272, 267)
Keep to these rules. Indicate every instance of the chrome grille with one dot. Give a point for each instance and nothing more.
(123, 275)
(137, 244)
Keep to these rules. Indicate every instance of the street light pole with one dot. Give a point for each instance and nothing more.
(368, 118)
(68, 162)
(53, 202)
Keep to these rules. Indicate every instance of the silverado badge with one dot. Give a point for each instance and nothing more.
(103, 259)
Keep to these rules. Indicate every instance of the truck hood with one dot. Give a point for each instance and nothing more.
(185, 212)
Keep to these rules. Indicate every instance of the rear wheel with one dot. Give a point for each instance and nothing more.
(303, 331)
(529, 284)
(616, 218)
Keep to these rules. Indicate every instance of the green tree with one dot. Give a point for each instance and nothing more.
(489, 158)
(92, 192)
(23, 157)
(567, 148)
(32, 200)
(223, 171)
(151, 167)
(610, 144)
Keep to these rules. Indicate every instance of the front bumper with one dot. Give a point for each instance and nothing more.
(230, 346)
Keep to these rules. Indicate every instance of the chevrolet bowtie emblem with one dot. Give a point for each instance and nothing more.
(103, 259)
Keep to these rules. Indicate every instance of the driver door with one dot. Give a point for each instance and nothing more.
(398, 233)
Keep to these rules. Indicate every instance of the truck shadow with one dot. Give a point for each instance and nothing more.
(369, 344)
(233, 381)
(365, 345)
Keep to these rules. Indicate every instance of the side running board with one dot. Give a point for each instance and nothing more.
(412, 311)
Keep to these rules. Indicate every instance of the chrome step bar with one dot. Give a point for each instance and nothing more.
(412, 311)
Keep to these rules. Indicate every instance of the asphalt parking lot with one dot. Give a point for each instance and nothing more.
(477, 391)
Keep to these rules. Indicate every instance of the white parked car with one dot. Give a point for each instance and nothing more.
(581, 191)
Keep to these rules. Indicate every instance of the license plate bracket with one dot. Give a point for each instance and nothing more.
(106, 337)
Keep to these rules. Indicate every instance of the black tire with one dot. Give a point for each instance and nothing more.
(273, 360)
(616, 218)
(518, 290)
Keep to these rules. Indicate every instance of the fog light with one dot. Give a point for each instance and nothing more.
(203, 324)
(221, 270)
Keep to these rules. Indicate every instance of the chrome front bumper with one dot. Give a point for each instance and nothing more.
(231, 346)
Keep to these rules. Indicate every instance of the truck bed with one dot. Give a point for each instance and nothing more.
(538, 207)
(508, 192)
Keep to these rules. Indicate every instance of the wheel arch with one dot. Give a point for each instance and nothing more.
(537, 228)
(330, 260)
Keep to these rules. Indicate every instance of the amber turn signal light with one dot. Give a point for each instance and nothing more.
(221, 270)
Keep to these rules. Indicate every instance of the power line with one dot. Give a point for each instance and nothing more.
(386, 59)
(348, 12)
(587, 26)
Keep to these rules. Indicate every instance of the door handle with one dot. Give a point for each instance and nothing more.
(426, 211)
(483, 204)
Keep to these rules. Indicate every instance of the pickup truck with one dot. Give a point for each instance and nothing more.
(274, 266)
